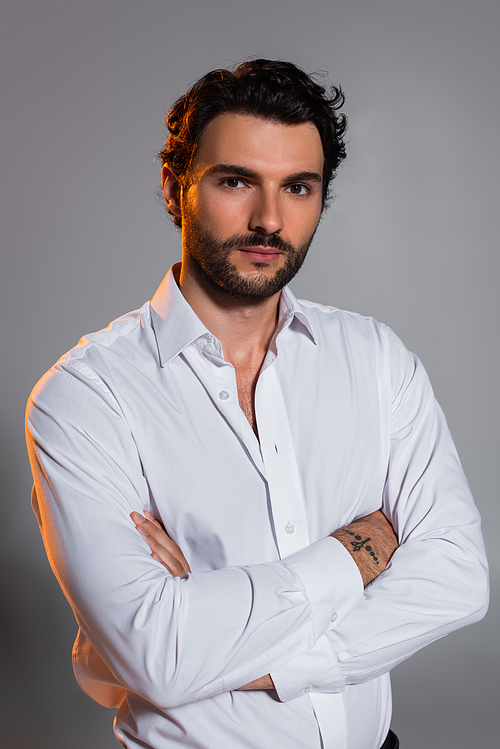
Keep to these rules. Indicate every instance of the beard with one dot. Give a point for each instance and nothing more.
(209, 258)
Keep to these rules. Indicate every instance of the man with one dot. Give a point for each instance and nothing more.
(267, 450)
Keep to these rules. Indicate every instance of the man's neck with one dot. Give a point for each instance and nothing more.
(244, 328)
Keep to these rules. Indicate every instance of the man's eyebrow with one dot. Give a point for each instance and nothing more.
(242, 171)
(305, 177)
(232, 169)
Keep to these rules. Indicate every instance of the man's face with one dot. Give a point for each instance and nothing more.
(251, 205)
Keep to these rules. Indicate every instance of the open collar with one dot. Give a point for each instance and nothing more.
(176, 325)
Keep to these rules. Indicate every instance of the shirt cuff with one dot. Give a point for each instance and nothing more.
(316, 670)
(331, 579)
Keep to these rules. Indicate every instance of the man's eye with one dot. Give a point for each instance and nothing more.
(232, 182)
(298, 189)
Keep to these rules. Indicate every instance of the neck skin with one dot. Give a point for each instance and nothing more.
(244, 328)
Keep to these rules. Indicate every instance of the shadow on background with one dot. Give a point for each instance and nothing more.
(461, 692)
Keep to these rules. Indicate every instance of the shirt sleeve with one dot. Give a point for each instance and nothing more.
(436, 581)
(170, 640)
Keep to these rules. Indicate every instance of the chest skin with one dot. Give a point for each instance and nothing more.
(246, 380)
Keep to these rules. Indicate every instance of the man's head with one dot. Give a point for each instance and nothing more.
(269, 89)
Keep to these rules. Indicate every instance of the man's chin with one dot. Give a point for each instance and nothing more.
(255, 286)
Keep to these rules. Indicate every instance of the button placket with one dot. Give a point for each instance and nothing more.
(224, 382)
(277, 449)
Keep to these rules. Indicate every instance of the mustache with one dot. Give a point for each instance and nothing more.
(257, 240)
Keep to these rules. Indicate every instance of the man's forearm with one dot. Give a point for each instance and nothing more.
(371, 542)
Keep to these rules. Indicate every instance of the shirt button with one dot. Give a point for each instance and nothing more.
(289, 528)
(309, 689)
(209, 348)
(223, 395)
(334, 616)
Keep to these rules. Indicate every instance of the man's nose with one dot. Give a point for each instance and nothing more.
(267, 216)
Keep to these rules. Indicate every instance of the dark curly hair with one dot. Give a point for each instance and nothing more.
(270, 89)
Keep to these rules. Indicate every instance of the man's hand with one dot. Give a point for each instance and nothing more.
(164, 549)
(371, 542)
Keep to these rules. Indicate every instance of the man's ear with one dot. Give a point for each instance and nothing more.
(171, 190)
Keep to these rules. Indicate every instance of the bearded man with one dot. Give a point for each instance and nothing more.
(252, 503)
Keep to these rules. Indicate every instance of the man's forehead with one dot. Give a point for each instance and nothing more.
(236, 138)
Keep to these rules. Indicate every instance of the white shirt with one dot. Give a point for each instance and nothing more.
(145, 415)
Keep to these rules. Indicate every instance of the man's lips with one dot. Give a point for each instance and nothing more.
(261, 254)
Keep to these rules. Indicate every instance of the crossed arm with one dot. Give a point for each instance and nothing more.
(266, 617)
(370, 540)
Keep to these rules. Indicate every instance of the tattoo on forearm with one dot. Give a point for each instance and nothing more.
(360, 543)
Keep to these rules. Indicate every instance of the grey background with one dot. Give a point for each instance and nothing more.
(412, 239)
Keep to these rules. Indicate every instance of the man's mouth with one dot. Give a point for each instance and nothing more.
(261, 254)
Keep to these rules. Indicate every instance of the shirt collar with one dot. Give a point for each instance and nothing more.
(174, 322)
(290, 310)
(176, 325)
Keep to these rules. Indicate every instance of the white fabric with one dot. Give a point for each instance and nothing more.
(145, 415)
